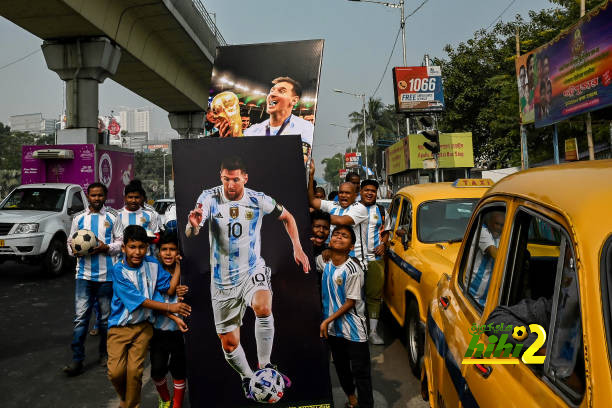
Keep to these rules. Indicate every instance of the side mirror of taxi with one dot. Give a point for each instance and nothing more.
(404, 234)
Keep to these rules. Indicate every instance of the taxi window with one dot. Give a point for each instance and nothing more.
(393, 210)
(481, 253)
(540, 286)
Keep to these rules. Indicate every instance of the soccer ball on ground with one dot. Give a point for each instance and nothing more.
(267, 386)
(519, 333)
(83, 242)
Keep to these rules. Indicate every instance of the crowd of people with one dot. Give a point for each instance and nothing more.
(131, 280)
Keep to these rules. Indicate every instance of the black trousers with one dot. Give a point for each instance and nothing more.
(168, 353)
(352, 361)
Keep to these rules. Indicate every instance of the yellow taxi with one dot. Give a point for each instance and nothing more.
(534, 268)
(428, 222)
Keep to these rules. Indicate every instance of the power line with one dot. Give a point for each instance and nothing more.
(395, 43)
(500, 14)
(20, 59)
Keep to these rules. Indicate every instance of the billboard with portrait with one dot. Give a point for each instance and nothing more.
(571, 74)
(244, 233)
(265, 90)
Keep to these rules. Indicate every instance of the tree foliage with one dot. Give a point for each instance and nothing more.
(149, 168)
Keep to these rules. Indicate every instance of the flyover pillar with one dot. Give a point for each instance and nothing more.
(188, 124)
(83, 63)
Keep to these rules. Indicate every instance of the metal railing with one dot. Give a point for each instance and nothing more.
(211, 24)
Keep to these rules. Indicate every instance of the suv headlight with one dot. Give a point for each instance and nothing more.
(26, 228)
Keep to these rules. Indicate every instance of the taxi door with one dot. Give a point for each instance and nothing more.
(459, 306)
(394, 292)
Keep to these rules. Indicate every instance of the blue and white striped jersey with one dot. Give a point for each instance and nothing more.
(338, 284)
(107, 227)
(132, 286)
(377, 223)
(142, 217)
(359, 214)
(234, 233)
(161, 321)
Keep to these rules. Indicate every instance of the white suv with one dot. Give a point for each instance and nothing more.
(35, 220)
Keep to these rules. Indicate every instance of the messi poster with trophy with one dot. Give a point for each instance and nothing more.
(266, 89)
(244, 232)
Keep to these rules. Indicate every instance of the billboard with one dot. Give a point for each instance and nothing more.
(456, 150)
(352, 160)
(571, 74)
(418, 89)
(244, 265)
(398, 157)
(342, 174)
(266, 90)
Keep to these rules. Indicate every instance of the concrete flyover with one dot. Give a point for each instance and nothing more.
(163, 50)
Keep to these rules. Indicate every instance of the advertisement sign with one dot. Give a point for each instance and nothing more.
(253, 229)
(418, 89)
(115, 170)
(571, 74)
(342, 174)
(352, 160)
(456, 150)
(571, 149)
(265, 90)
(153, 147)
(398, 157)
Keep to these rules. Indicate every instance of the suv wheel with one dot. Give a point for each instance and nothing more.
(55, 258)
(415, 338)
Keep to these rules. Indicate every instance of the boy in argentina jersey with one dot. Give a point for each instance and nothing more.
(93, 280)
(344, 212)
(377, 234)
(239, 276)
(134, 214)
(344, 322)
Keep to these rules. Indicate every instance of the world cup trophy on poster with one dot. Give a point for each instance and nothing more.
(226, 106)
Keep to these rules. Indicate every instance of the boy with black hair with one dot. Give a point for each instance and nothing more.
(344, 324)
(134, 212)
(93, 273)
(320, 222)
(138, 281)
(167, 350)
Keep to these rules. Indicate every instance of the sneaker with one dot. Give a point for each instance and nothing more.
(376, 339)
(103, 360)
(246, 387)
(285, 378)
(94, 332)
(163, 404)
(74, 368)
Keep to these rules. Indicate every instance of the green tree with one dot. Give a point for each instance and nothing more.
(149, 168)
(332, 167)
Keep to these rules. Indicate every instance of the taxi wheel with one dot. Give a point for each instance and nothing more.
(415, 338)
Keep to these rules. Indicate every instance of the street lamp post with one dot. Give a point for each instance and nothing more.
(165, 154)
(400, 6)
(349, 133)
(365, 134)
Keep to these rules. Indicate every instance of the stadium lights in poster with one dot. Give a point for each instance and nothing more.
(571, 74)
(244, 254)
(266, 89)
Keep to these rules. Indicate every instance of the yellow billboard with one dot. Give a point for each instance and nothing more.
(456, 150)
(398, 157)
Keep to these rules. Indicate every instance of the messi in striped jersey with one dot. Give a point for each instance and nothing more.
(344, 322)
(239, 276)
(344, 212)
(378, 226)
(138, 284)
(93, 280)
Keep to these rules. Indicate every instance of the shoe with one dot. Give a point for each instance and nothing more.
(103, 360)
(376, 339)
(163, 404)
(74, 368)
(285, 378)
(94, 332)
(246, 387)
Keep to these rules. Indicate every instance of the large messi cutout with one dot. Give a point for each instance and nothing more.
(265, 90)
(244, 231)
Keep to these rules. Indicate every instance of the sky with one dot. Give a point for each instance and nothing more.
(358, 38)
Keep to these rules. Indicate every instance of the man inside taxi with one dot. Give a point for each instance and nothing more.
(485, 255)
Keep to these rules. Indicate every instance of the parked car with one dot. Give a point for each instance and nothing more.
(35, 220)
(428, 222)
(161, 206)
(552, 267)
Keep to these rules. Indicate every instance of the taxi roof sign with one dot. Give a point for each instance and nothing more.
(473, 183)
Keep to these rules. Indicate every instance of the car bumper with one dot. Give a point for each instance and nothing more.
(23, 244)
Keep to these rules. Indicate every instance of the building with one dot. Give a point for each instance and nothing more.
(135, 120)
(32, 123)
(135, 140)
